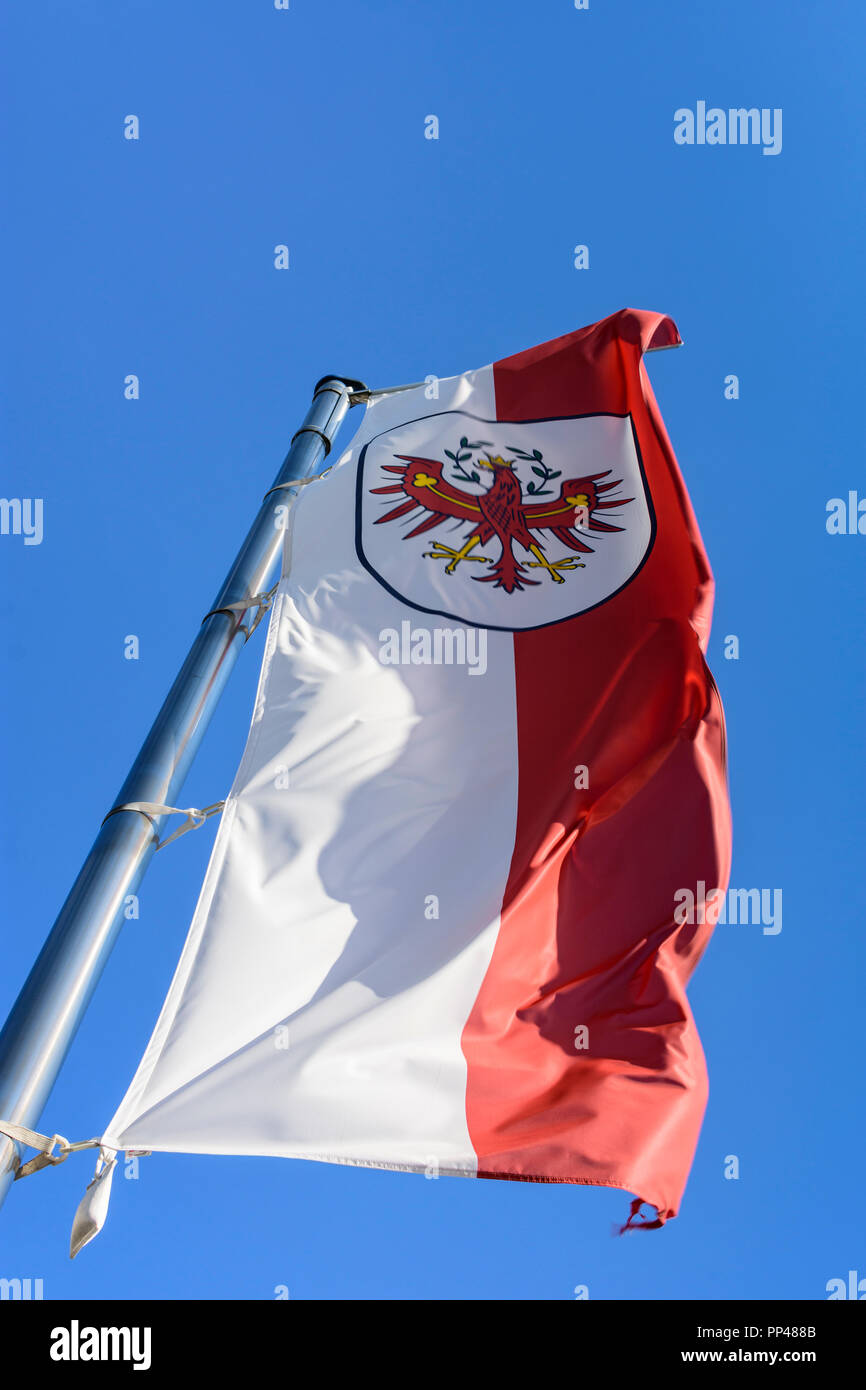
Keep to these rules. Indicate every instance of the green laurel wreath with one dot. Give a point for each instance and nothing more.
(536, 459)
(464, 452)
(539, 467)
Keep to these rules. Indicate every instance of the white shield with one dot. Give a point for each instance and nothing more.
(582, 474)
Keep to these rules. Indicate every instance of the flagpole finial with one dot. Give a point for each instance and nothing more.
(355, 387)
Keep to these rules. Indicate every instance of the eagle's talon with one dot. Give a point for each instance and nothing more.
(542, 563)
(442, 552)
(566, 564)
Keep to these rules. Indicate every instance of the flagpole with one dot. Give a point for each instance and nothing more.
(38, 1033)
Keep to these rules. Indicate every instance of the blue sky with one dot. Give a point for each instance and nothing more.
(411, 256)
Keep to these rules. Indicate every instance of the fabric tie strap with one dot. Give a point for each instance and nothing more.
(44, 1144)
(195, 818)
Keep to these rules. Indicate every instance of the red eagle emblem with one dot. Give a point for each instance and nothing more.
(502, 512)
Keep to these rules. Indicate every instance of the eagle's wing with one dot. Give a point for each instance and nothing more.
(423, 485)
(558, 515)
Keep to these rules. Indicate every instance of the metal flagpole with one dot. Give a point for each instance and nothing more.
(46, 1015)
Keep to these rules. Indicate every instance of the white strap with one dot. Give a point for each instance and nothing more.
(44, 1144)
(261, 602)
(257, 601)
(299, 482)
(195, 818)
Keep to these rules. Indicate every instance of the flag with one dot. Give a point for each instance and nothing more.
(439, 930)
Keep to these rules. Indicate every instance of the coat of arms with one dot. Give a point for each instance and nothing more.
(517, 516)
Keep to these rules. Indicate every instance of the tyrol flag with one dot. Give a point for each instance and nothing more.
(439, 928)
